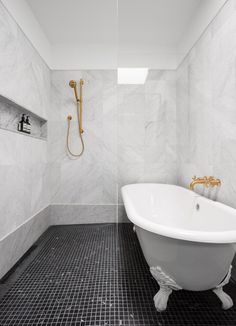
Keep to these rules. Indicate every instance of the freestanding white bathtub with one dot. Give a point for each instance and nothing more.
(187, 240)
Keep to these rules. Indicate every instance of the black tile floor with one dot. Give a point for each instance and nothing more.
(96, 275)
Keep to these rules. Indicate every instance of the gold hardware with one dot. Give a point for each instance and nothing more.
(81, 83)
(79, 105)
(73, 85)
(205, 181)
(213, 182)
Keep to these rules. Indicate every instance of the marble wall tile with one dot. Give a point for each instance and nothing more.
(206, 102)
(24, 179)
(15, 244)
(90, 179)
(147, 130)
(25, 78)
(122, 216)
(129, 135)
(15, 198)
(83, 214)
(24, 169)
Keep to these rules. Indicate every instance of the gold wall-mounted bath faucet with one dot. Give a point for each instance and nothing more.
(205, 181)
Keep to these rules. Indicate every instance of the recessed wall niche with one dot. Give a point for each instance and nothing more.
(10, 115)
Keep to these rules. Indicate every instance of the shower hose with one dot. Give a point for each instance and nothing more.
(69, 118)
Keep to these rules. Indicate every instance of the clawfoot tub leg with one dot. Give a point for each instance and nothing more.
(166, 284)
(226, 300)
(161, 298)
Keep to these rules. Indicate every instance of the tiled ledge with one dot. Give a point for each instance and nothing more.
(16, 243)
(10, 115)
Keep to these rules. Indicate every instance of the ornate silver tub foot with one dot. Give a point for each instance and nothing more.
(167, 284)
(226, 300)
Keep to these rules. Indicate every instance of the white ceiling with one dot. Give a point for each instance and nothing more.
(93, 21)
(70, 21)
(154, 21)
(106, 33)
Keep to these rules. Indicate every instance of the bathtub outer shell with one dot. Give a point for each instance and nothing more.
(193, 265)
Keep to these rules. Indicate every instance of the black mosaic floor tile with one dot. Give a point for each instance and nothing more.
(97, 275)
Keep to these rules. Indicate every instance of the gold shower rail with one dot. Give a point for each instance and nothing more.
(79, 105)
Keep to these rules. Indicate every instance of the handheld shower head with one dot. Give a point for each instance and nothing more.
(73, 84)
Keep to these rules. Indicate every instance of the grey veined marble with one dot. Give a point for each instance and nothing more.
(129, 135)
(25, 78)
(206, 107)
(24, 168)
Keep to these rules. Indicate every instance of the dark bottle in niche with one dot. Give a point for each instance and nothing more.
(28, 125)
(22, 125)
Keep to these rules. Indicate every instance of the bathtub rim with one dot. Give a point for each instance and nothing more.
(214, 237)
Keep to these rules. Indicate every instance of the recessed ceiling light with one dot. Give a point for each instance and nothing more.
(132, 75)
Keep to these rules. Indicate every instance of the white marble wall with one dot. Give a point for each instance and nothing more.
(25, 78)
(91, 179)
(24, 169)
(129, 137)
(83, 214)
(15, 244)
(206, 107)
(147, 130)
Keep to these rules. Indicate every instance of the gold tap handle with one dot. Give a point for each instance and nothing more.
(209, 180)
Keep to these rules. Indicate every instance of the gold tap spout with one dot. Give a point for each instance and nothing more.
(205, 181)
(197, 181)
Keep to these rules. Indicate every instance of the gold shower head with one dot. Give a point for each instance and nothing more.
(72, 84)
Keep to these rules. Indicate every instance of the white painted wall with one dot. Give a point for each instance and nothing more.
(146, 55)
(89, 56)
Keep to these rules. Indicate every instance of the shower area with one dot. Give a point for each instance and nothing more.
(68, 252)
(124, 142)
